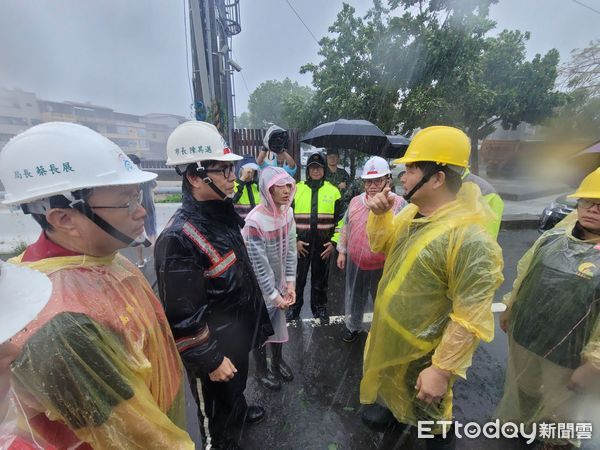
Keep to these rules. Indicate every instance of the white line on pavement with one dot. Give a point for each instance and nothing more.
(368, 317)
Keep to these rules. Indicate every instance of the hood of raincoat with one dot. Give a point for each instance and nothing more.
(274, 176)
(273, 129)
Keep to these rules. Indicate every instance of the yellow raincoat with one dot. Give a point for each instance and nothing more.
(553, 328)
(98, 367)
(433, 303)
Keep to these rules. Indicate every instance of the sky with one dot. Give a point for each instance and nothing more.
(132, 56)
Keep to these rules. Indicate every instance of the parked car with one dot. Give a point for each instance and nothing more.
(556, 212)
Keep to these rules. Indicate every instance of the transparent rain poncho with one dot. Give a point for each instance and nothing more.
(270, 237)
(553, 328)
(363, 267)
(97, 368)
(433, 303)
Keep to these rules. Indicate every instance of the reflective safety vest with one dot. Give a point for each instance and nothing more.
(491, 197)
(246, 198)
(316, 215)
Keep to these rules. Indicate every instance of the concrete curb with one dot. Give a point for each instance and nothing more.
(520, 196)
(520, 222)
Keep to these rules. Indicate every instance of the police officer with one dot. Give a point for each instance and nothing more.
(246, 195)
(317, 210)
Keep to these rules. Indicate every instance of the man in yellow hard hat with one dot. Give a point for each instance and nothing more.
(489, 195)
(553, 325)
(433, 303)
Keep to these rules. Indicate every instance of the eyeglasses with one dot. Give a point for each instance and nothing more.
(225, 170)
(376, 181)
(587, 204)
(131, 205)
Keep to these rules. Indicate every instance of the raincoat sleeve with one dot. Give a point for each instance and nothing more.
(180, 278)
(380, 229)
(591, 351)
(257, 251)
(291, 261)
(92, 385)
(474, 274)
(342, 229)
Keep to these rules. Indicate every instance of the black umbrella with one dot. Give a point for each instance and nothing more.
(359, 135)
(397, 147)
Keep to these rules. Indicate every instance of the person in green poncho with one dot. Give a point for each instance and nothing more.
(553, 325)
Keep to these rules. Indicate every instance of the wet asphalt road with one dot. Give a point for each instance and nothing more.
(320, 408)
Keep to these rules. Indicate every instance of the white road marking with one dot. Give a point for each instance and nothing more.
(368, 317)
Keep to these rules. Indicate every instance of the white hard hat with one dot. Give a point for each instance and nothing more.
(196, 141)
(60, 157)
(375, 167)
(24, 293)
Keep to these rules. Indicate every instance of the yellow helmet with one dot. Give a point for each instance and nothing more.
(439, 144)
(589, 187)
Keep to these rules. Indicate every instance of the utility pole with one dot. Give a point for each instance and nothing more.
(213, 23)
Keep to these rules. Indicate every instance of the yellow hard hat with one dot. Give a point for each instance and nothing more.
(589, 187)
(439, 144)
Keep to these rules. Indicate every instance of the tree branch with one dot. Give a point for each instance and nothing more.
(491, 122)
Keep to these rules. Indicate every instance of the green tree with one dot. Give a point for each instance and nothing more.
(348, 80)
(243, 121)
(578, 119)
(418, 63)
(266, 104)
(583, 69)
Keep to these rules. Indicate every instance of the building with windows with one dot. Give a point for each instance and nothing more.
(146, 136)
(19, 110)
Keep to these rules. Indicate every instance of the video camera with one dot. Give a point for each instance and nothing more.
(278, 141)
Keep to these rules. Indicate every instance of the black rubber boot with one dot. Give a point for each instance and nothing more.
(278, 366)
(350, 336)
(377, 417)
(440, 443)
(263, 375)
(291, 315)
(322, 316)
(254, 414)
